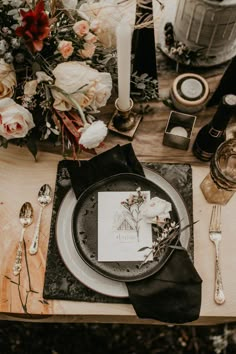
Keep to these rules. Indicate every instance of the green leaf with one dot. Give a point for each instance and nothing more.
(141, 86)
(35, 67)
(143, 76)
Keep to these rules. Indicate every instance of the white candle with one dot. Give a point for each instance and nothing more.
(123, 42)
(180, 131)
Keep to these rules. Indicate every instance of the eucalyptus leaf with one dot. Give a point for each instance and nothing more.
(35, 67)
(141, 86)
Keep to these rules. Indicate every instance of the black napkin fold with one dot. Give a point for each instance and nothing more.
(116, 160)
(171, 295)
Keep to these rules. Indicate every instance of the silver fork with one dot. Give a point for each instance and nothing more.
(215, 236)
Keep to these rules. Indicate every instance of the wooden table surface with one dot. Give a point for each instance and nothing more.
(20, 180)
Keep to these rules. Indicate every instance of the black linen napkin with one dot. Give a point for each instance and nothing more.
(171, 295)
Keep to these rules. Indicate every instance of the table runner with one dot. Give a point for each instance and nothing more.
(59, 282)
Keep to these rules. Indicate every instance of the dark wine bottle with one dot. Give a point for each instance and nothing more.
(213, 134)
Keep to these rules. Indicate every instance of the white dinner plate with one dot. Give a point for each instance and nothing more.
(75, 263)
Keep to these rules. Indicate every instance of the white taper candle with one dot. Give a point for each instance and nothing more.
(123, 41)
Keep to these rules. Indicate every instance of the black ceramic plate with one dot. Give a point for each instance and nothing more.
(84, 227)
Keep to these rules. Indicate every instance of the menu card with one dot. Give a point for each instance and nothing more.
(122, 230)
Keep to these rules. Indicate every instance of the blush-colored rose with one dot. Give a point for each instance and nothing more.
(65, 48)
(90, 38)
(7, 79)
(81, 28)
(87, 51)
(15, 120)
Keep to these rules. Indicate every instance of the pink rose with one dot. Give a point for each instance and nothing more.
(81, 28)
(88, 50)
(65, 48)
(90, 38)
(15, 120)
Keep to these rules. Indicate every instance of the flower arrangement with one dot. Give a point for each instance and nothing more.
(51, 82)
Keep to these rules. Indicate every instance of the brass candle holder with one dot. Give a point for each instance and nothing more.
(125, 122)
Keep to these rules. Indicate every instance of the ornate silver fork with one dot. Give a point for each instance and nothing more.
(215, 237)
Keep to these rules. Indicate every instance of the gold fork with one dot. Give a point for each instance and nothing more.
(215, 236)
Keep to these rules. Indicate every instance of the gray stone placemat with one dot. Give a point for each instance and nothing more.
(59, 283)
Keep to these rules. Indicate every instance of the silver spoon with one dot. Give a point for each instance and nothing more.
(26, 218)
(44, 198)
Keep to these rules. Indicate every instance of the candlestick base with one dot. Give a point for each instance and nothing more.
(125, 122)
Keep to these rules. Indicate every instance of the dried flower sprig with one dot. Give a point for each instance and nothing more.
(165, 235)
(133, 206)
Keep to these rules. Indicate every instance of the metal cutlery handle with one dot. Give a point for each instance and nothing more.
(35, 242)
(219, 291)
(18, 261)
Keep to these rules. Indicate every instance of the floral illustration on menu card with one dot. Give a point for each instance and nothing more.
(122, 230)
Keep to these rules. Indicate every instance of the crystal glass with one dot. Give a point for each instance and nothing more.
(220, 184)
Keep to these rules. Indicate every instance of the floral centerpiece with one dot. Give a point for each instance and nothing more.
(51, 82)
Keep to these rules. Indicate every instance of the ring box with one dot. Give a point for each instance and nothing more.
(178, 130)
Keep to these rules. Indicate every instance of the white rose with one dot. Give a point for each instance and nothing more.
(15, 120)
(84, 85)
(157, 207)
(93, 134)
(7, 79)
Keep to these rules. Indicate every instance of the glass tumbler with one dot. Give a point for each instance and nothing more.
(220, 184)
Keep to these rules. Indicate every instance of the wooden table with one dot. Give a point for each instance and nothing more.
(21, 178)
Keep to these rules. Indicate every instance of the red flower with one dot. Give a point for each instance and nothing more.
(35, 27)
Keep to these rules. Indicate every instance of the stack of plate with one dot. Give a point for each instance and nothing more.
(77, 218)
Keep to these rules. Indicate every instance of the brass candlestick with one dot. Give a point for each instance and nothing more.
(124, 122)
